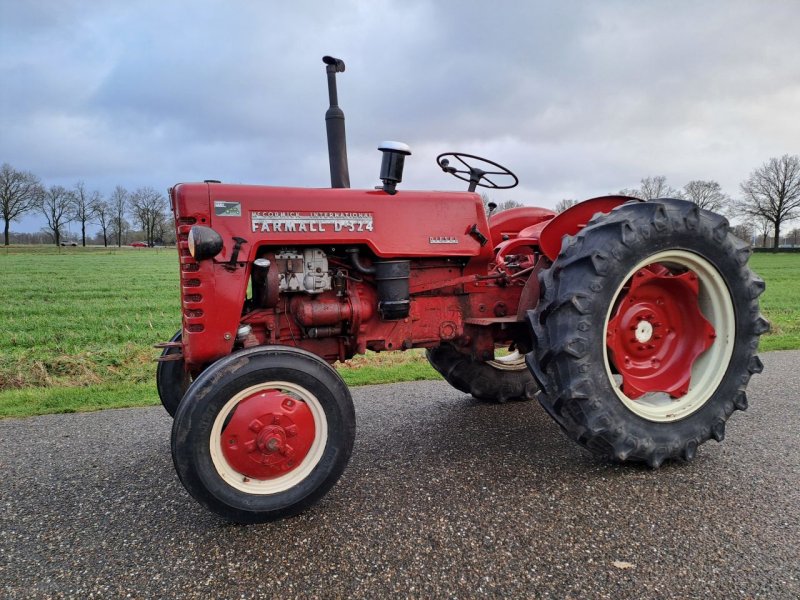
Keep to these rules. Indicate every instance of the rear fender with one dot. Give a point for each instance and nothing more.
(575, 218)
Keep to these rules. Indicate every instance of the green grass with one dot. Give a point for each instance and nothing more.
(81, 317)
(781, 301)
(42, 401)
(77, 327)
(26, 402)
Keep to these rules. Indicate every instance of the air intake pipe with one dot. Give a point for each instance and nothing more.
(334, 124)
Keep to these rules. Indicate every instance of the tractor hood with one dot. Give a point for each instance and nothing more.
(408, 223)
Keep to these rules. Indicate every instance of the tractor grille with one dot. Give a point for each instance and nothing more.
(191, 280)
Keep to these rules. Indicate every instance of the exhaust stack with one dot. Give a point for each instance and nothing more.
(334, 124)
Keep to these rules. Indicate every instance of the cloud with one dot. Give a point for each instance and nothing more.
(578, 98)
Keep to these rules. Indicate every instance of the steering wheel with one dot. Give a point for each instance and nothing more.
(476, 176)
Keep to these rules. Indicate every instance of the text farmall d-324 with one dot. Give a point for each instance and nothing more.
(634, 323)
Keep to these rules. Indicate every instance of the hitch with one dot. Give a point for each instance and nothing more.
(169, 357)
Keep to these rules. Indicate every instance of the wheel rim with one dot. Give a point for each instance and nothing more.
(268, 437)
(513, 361)
(670, 330)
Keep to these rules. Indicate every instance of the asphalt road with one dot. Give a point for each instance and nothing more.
(444, 497)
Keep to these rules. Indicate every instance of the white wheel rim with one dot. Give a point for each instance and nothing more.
(709, 369)
(514, 361)
(279, 484)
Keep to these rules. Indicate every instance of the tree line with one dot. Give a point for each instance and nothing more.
(769, 200)
(21, 193)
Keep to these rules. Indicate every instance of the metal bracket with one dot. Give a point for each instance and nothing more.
(232, 263)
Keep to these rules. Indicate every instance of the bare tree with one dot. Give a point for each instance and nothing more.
(165, 232)
(706, 194)
(508, 204)
(147, 207)
(118, 204)
(772, 193)
(56, 206)
(651, 188)
(19, 193)
(104, 216)
(564, 204)
(83, 207)
(744, 231)
(763, 227)
(499, 207)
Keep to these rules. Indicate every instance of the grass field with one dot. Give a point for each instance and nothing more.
(781, 302)
(77, 326)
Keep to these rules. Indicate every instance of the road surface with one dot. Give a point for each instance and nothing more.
(444, 497)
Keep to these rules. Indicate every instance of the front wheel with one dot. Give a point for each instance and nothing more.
(500, 380)
(263, 434)
(646, 331)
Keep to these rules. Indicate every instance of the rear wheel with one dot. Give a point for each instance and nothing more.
(263, 434)
(646, 331)
(499, 380)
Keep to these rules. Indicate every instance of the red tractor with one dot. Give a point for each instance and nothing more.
(634, 323)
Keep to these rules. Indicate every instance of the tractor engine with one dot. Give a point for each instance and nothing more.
(341, 304)
(305, 271)
(348, 271)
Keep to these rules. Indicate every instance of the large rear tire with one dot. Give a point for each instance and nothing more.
(646, 331)
(500, 380)
(263, 434)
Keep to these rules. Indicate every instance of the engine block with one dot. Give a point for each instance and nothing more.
(302, 271)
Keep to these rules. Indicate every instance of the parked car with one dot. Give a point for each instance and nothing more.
(69, 243)
(139, 244)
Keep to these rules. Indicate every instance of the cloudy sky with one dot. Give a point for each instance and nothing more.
(578, 98)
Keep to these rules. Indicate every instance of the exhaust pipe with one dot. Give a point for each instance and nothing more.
(334, 123)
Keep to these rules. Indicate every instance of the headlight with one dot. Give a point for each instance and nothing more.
(204, 242)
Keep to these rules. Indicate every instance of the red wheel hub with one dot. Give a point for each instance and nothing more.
(268, 435)
(657, 332)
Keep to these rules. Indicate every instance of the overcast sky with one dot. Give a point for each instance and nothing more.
(578, 98)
